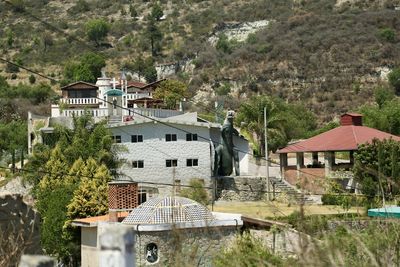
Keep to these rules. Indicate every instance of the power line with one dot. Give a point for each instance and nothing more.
(29, 70)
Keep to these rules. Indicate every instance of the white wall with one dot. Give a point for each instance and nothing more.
(154, 151)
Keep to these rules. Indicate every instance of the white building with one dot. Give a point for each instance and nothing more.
(170, 150)
(110, 99)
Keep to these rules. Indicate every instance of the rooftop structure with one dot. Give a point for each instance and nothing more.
(168, 210)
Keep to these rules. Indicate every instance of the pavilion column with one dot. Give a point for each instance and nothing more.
(329, 161)
(315, 159)
(283, 158)
(352, 157)
(299, 162)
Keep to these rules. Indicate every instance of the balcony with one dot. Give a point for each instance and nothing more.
(79, 101)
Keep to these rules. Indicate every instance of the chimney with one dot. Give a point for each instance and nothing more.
(122, 196)
(351, 119)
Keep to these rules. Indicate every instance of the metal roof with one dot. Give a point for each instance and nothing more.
(342, 138)
(163, 210)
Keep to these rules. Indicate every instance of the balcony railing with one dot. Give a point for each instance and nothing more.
(79, 101)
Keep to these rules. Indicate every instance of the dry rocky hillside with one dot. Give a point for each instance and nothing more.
(328, 54)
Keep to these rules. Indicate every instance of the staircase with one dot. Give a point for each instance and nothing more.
(293, 194)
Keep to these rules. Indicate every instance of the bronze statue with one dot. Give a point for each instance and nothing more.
(225, 155)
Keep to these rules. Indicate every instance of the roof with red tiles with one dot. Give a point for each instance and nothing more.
(343, 138)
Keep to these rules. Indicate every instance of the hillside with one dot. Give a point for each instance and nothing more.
(327, 54)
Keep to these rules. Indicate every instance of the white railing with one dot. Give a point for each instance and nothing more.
(79, 101)
(95, 112)
(153, 112)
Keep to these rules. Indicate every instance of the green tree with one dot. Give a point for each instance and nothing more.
(97, 30)
(171, 91)
(250, 118)
(377, 168)
(196, 192)
(132, 11)
(13, 138)
(156, 11)
(394, 79)
(86, 68)
(154, 35)
(383, 95)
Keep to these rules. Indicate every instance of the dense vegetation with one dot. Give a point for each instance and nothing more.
(327, 55)
(70, 175)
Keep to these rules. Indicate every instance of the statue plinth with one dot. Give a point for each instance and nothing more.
(240, 188)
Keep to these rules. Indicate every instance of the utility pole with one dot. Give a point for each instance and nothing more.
(266, 153)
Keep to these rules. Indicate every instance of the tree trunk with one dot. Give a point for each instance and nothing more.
(13, 161)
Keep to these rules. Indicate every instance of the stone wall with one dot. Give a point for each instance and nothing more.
(185, 247)
(19, 229)
(285, 242)
(240, 188)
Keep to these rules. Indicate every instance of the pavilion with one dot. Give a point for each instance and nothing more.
(346, 138)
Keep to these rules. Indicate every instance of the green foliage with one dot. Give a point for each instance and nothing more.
(328, 126)
(86, 68)
(383, 95)
(70, 181)
(394, 79)
(223, 89)
(385, 118)
(377, 168)
(32, 79)
(132, 11)
(171, 91)
(156, 11)
(196, 192)
(97, 30)
(247, 251)
(154, 35)
(250, 118)
(225, 45)
(387, 34)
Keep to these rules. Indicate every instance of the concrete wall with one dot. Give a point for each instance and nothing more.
(154, 151)
(89, 247)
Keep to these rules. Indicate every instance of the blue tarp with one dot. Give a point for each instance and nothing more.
(387, 212)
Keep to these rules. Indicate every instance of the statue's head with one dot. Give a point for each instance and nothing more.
(230, 115)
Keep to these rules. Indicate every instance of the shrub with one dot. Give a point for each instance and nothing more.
(32, 79)
(196, 191)
(387, 34)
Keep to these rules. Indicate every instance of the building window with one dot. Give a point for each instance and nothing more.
(117, 138)
(192, 162)
(170, 137)
(137, 164)
(151, 253)
(191, 137)
(136, 138)
(171, 163)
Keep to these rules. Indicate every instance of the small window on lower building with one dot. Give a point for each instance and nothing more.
(192, 162)
(151, 253)
(117, 139)
(171, 163)
(137, 164)
(170, 137)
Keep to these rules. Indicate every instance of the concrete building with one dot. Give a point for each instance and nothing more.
(169, 231)
(172, 150)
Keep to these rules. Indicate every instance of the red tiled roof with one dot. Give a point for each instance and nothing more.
(343, 138)
(136, 84)
(79, 85)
